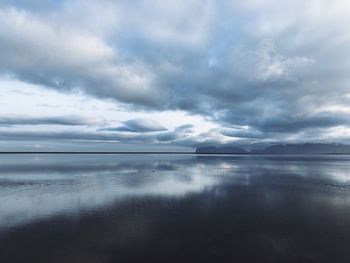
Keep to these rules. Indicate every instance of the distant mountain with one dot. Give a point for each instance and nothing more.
(220, 150)
(307, 148)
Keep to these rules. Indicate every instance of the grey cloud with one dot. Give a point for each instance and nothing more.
(58, 120)
(168, 136)
(243, 133)
(27, 43)
(179, 136)
(303, 122)
(73, 135)
(282, 123)
(238, 63)
(180, 132)
(138, 125)
(187, 128)
(35, 5)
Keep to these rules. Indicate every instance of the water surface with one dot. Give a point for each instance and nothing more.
(174, 208)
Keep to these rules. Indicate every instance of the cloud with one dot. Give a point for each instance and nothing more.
(65, 58)
(181, 136)
(74, 135)
(138, 125)
(181, 132)
(59, 120)
(262, 70)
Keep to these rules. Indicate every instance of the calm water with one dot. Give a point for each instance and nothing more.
(174, 208)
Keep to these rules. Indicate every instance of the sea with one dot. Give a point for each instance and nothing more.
(174, 208)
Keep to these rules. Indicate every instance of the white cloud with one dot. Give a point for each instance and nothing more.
(272, 66)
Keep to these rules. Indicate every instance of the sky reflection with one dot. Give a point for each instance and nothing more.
(174, 208)
(38, 186)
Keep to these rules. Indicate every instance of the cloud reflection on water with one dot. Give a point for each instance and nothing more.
(35, 187)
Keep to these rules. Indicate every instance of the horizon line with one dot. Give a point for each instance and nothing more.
(156, 152)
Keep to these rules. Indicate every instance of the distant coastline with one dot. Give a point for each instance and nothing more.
(298, 149)
(278, 149)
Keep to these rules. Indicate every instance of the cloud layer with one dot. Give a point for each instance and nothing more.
(262, 70)
(138, 125)
(55, 120)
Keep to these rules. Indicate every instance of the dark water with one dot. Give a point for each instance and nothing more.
(174, 208)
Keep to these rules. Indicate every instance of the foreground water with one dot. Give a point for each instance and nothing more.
(174, 208)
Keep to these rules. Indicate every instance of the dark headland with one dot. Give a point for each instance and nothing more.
(307, 148)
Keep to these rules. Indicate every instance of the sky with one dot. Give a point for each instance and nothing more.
(121, 75)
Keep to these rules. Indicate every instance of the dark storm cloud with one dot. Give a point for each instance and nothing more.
(59, 120)
(251, 64)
